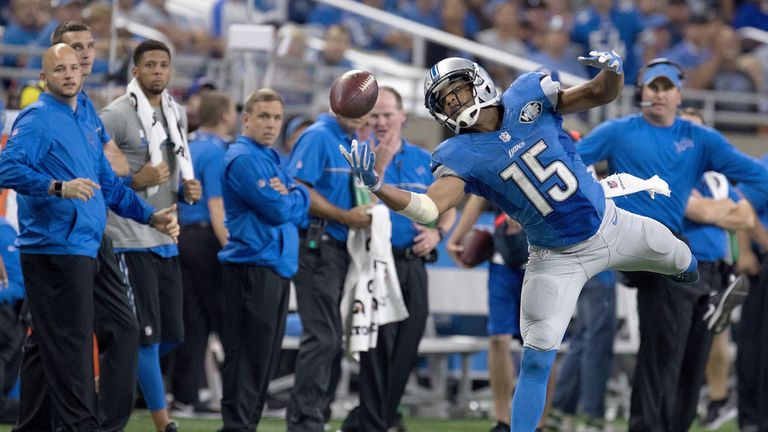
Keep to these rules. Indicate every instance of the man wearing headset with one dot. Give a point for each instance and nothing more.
(658, 141)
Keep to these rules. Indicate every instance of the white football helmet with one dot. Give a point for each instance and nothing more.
(452, 69)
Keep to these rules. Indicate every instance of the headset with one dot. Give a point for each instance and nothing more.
(650, 64)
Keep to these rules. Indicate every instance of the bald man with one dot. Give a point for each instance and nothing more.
(64, 183)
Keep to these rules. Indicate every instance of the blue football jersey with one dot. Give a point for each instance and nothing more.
(529, 168)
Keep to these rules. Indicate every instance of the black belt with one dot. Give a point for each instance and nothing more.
(326, 238)
(201, 224)
(409, 254)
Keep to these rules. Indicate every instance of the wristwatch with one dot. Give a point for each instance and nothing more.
(58, 186)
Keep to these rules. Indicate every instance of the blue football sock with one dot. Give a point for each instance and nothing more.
(531, 389)
(150, 377)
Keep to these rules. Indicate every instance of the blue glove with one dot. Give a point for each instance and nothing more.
(606, 60)
(362, 160)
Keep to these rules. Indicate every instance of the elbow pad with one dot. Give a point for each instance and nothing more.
(421, 209)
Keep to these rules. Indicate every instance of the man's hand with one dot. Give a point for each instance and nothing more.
(358, 217)
(150, 175)
(193, 190)
(385, 149)
(426, 240)
(79, 188)
(362, 160)
(278, 185)
(165, 221)
(605, 60)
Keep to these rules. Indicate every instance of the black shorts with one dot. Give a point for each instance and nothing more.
(157, 288)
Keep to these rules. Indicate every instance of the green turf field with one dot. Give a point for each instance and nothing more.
(141, 423)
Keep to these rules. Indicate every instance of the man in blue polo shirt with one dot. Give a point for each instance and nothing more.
(64, 183)
(658, 142)
(202, 236)
(263, 206)
(316, 162)
(384, 371)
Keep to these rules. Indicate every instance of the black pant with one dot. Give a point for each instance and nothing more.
(12, 335)
(256, 303)
(203, 308)
(117, 334)
(319, 286)
(673, 338)
(752, 354)
(60, 297)
(384, 371)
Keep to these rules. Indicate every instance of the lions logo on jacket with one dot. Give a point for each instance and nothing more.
(530, 112)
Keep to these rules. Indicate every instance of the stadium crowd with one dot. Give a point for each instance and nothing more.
(265, 199)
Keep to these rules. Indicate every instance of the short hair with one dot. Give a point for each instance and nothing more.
(68, 27)
(262, 95)
(213, 105)
(339, 28)
(396, 94)
(149, 45)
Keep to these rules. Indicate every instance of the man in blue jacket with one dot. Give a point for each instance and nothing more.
(64, 183)
(263, 207)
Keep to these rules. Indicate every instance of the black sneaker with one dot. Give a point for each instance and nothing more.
(718, 413)
(721, 304)
(686, 277)
(171, 427)
(500, 427)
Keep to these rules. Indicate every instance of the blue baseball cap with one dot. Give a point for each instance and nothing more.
(663, 70)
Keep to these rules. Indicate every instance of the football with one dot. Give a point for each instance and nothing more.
(354, 94)
(478, 247)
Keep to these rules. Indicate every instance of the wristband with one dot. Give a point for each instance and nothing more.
(377, 186)
(58, 188)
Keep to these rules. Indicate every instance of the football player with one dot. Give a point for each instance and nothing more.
(510, 148)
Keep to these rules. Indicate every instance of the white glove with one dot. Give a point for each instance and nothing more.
(606, 60)
(624, 184)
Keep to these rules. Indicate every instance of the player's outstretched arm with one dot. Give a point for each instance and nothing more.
(600, 90)
(444, 194)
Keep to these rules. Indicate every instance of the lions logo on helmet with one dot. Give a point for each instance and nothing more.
(442, 74)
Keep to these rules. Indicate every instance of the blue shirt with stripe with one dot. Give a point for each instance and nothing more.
(408, 170)
(207, 151)
(316, 161)
(529, 168)
(679, 154)
(261, 221)
(709, 243)
(49, 141)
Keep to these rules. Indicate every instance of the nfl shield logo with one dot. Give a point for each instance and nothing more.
(505, 136)
(261, 183)
(612, 184)
(530, 112)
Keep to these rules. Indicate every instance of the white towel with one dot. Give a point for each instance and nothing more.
(155, 133)
(372, 295)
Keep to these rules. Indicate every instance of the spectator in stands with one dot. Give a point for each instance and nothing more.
(640, 145)
(505, 282)
(457, 20)
(330, 62)
(504, 36)
(712, 240)
(752, 13)
(23, 29)
(59, 268)
(554, 52)
(425, 12)
(183, 33)
(750, 335)
(536, 16)
(384, 370)
(375, 36)
(203, 234)
(316, 162)
(193, 98)
(700, 52)
(98, 16)
(151, 259)
(63, 11)
(737, 72)
(12, 331)
(608, 25)
(656, 38)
